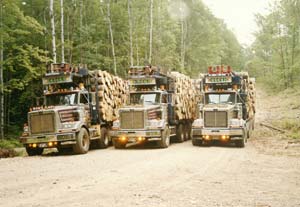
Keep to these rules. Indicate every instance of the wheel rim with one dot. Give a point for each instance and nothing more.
(85, 140)
(182, 136)
(106, 141)
(167, 138)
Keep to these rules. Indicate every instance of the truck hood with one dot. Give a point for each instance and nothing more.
(55, 108)
(220, 107)
(140, 107)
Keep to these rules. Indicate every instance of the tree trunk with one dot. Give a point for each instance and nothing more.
(111, 37)
(183, 38)
(1, 76)
(53, 31)
(151, 31)
(130, 32)
(182, 48)
(80, 29)
(137, 51)
(62, 31)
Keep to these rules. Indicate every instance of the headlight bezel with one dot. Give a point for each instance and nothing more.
(198, 123)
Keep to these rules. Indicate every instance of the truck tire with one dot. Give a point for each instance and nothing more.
(165, 138)
(82, 142)
(119, 145)
(189, 131)
(241, 143)
(103, 142)
(249, 134)
(180, 137)
(34, 151)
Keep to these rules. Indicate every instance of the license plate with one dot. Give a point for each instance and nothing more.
(42, 145)
(132, 139)
(215, 137)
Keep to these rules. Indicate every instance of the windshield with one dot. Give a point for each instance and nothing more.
(220, 98)
(145, 99)
(61, 99)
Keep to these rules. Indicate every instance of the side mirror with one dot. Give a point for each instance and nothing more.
(40, 101)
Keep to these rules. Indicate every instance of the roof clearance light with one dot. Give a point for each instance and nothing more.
(228, 69)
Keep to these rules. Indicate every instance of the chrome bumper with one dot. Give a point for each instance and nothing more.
(132, 136)
(215, 134)
(62, 137)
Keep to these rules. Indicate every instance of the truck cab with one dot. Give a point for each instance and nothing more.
(222, 115)
(67, 119)
(145, 117)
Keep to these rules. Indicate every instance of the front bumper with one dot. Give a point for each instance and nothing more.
(135, 136)
(61, 138)
(216, 134)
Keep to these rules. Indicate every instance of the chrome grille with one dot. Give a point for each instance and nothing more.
(132, 119)
(215, 119)
(41, 123)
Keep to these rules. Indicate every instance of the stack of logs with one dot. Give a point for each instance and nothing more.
(112, 93)
(185, 96)
(248, 86)
(199, 88)
(251, 96)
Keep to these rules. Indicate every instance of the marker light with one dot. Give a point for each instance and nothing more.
(123, 139)
(206, 137)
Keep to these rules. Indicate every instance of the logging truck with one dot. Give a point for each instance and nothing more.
(72, 115)
(160, 106)
(227, 112)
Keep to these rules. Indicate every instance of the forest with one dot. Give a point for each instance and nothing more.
(111, 35)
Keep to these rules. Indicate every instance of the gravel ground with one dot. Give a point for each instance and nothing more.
(264, 173)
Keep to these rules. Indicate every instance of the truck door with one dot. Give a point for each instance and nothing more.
(170, 109)
(164, 103)
(93, 109)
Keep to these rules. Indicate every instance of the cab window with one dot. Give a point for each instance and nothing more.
(164, 98)
(84, 99)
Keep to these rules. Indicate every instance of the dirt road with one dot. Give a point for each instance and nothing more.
(181, 175)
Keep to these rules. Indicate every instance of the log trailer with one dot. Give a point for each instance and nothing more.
(155, 111)
(70, 115)
(227, 112)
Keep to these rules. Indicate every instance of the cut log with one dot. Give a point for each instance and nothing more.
(272, 127)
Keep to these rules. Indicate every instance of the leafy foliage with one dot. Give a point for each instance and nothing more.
(27, 41)
(275, 54)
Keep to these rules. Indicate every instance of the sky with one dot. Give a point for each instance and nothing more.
(239, 16)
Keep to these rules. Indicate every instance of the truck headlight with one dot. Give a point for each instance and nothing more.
(155, 123)
(67, 125)
(198, 123)
(25, 128)
(25, 131)
(116, 125)
(235, 123)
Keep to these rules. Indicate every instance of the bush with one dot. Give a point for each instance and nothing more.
(7, 148)
(10, 143)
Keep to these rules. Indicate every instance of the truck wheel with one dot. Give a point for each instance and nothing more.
(196, 142)
(241, 143)
(165, 138)
(82, 142)
(103, 142)
(119, 145)
(185, 132)
(248, 134)
(34, 151)
(180, 133)
(189, 131)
